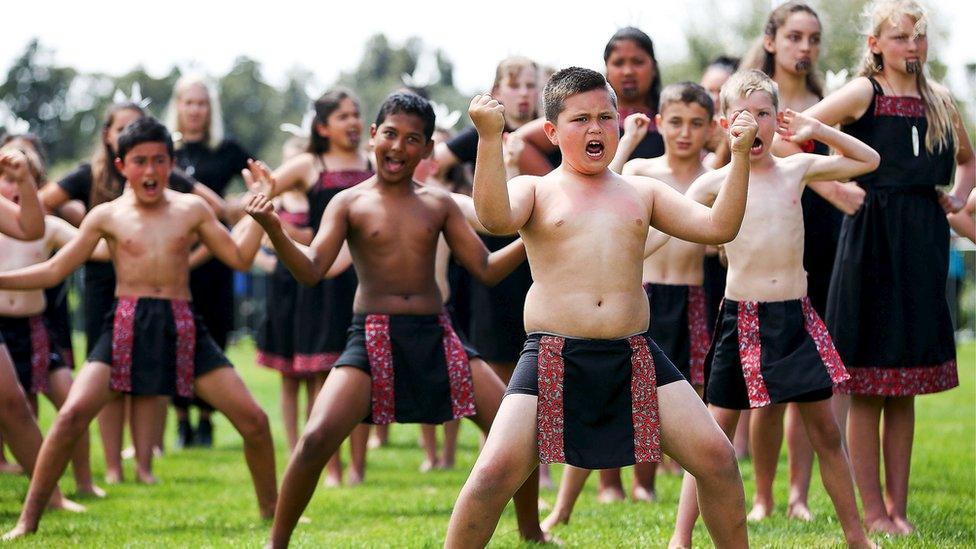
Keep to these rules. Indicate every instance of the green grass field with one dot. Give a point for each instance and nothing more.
(205, 497)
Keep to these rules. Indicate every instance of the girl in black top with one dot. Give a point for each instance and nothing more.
(203, 153)
(887, 309)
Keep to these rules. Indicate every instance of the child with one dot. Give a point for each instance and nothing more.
(155, 345)
(40, 366)
(770, 346)
(673, 275)
(403, 361)
(23, 220)
(591, 389)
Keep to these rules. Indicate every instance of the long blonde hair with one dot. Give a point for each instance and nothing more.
(938, 104)
(214, 134)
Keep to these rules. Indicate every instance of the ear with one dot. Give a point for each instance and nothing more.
(550, 130)
(723, 122)
(372, 131)
(873, 45)
(119, 164)
(769, 44)
(322, 130)
(658, 120)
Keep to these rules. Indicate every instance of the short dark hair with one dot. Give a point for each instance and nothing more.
(408, 103)
(571, 81)
(729, 63)
(144, 130)
(687, 92)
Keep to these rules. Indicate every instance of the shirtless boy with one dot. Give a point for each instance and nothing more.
(403, 361)
(40, 366)
(770, 346)
(156, 345)
(591, 388)
(23, 220)
(673, 275)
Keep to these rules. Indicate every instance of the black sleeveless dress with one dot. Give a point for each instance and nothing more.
(887, 309)
(821, 224)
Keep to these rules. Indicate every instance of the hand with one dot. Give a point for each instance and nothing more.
(950, 203)
(512, 147)
(487, 114)
(261, 209)
(742, 132)
(849, 198)
(796, 127)
(258, 178)
(14, 164)
(636, 126)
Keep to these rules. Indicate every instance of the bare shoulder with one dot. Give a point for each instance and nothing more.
(648, 167)
(189, 201)
(434, 195)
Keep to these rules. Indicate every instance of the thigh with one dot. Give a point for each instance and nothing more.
(9, 385)
(687, 426)
(512, 442)
(90, 390)
(488, 392)
(225, 390)
(343, 402)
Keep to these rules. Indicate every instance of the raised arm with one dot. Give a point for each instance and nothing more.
(214, 200)
(471, 253)
(635, 129)
(27, 221)
(853, 158)
(495, 208)
(292, 174)
(65, 261)
(236, 249)
(846, 197)
(683, 217)
(307, 264)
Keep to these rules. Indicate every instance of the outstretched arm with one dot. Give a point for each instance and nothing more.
(495, 208)
(70, 257)
(854, 157)
(61, 233)
(682, 217)
(846, 197)
(27, 221)
(471, 253)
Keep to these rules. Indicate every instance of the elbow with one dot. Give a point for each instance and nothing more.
(723, 236)
(874, 160)
(496, 226)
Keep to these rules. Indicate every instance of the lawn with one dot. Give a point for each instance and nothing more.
(205, 498)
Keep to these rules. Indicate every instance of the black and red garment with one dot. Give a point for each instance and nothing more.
(770, 352)
(597, 399)
(156, 347)
(887, 307)
(32, 350)
(418, 365)
(679, 325)
(324, 310)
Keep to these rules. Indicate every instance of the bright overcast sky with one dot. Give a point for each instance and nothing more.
(327, 37)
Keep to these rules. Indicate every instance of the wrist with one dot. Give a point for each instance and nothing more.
(818, 130)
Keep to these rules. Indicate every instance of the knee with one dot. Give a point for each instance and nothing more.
(312, 445)
(71, 419)
(824, 435)
(716, 460)
(254, 424)
(494, 479)
(14, 407)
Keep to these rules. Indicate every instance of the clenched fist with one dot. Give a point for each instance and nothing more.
(487, 114)
(742, 132)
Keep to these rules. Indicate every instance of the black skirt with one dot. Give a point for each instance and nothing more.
(278, 332)
(679, 326)
(887, 307)
(324, 314)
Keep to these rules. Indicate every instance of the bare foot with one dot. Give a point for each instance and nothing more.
(759, 512)
(90, 491)
(543, 505)
(798, 510)
(376, 442)
(611, 495)
(554, 519)
(355, 478)
(18, 532)
(545, 479)
(332, 481)
(639, 493)
(7, 468)
(678, 544)
(862, 542)
(427, 466)
(445, 465)
(883, 525)
(543, 538)
(905, 526)
(146, 477)
(113, 477)
(64, 504)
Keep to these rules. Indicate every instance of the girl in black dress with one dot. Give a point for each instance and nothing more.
(887, 309)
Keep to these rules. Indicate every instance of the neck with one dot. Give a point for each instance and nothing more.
(764, 162)
(792, 90)
(396, 186)
(193, 136)
(685, 170)
(900, 83)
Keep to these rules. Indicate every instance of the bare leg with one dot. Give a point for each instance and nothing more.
(702, 445)
(60, 384)
(358, 444)
(863, 425)
(451, 429)
(428, 435)
(898, 434)
(381, 436)
(570, 488)
(611, 486)
(144, 412)
(765, 441)
(800, 454)
(289, 409)
(87, 396)
(841, 403)
(159, 434)
(7, 467)
(341, 405)
(110, 424)
(835, 470)
(741, 439)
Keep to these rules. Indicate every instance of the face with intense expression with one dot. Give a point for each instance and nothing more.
(146, 168)
(399, 144)
(760, 105)
(586, 131)
(343, 127)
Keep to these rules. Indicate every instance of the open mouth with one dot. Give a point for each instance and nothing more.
(757, 146)
(353, 136)
(594, 149)
(150, 185)
(393, 165)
